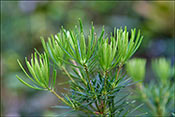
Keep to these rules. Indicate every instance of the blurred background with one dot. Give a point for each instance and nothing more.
(23, 23)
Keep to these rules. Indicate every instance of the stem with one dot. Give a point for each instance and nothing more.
(120, 66)
(59, 97)
(159, 111)
(70, 77)
(97, 106)
(102, 106)
(84, 81)
(112, 107)
(85, 111)
(67, 74)
(151, 106)
(103, 103)
(86, 69)
(106, 73)
(92, 107)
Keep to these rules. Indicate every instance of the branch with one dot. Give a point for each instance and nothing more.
(63, 68)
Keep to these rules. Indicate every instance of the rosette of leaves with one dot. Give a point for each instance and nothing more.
(89, 62)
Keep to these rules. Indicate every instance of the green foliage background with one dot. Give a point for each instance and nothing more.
(24, 22)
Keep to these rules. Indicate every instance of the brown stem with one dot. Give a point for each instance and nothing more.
(76, 68)
(120, 66)
(102, 106)
(84, 81)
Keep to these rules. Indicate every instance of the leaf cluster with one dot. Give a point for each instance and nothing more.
(157, 96)
(136, 68)
(40, 70)
(162, 69)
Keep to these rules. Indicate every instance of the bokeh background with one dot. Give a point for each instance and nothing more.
(23, 23)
